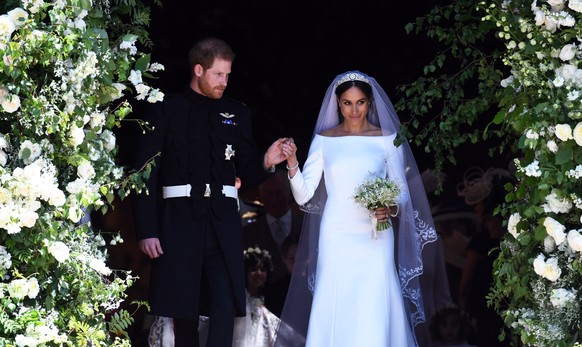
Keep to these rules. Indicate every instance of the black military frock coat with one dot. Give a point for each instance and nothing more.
(201, 141)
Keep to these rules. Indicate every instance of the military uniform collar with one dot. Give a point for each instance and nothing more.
(195, 97)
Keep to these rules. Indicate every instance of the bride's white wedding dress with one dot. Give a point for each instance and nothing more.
(357, 299)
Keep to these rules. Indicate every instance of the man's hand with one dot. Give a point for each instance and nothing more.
(151, 247)
(275, 154)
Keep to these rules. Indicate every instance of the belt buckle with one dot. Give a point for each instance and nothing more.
(207, 191)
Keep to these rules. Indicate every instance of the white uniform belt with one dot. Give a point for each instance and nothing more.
(185, 189)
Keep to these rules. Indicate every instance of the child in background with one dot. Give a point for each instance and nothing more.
(451, 327)
(259, 327)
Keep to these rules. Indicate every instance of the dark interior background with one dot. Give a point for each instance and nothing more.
(289, 51)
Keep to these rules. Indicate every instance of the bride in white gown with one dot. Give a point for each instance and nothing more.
(362, 296)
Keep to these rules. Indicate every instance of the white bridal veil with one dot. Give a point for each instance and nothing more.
(413, 226)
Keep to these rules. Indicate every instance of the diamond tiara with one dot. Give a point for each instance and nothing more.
(352, 76)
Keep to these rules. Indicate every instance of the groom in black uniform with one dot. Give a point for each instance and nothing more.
(188, 221)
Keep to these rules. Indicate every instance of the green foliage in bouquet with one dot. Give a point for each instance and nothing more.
(65, 68)
(376, 192)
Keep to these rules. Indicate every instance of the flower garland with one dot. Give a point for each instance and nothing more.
(539, 271)
(62, 85)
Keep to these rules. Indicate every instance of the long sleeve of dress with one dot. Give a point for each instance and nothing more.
(304, 183)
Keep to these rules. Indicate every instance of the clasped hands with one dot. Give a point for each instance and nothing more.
(281, 150)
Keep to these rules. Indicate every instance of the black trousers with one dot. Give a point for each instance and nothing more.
(221, 297)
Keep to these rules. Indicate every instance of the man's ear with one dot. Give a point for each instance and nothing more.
(198, 70)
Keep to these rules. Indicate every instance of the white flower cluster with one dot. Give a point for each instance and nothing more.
(256, 252)
(21, 287)
(63, 76)
(21, 193)
(59, 250)
(5, 260)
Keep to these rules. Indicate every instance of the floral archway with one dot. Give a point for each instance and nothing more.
(516, 64)
(67, 68)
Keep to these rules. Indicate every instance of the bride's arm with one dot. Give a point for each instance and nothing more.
(304, 183)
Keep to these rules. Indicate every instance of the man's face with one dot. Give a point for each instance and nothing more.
(275, 196)
(213, 81)
(289, 258)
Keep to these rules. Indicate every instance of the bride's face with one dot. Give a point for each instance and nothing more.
(354, 105)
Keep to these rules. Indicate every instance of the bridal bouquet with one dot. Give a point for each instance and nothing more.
(375, 193)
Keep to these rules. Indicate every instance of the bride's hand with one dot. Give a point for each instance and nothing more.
(289, 150)
(382, 213)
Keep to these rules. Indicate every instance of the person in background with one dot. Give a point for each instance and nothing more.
(277, 292)
(451, 327)
(187, 221)
(258, 327)
(279, 221)
(482, 250)
(345, 288)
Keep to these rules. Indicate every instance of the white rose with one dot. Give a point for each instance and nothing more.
(540, 17)
(85, 170)
(512, 224)
(76, 136)
(3, 158)
(552, 146)
(557, 5)
(7, 26)
(18, 16)
(33, 288)
(18, 288)
(3, 93)
(550, 24)
(567, 71)
(578, 77)
(564, 132)
(108, 139)
(575, 240)
(575, 5)
(11, 103)
(57, 197)
(99, 266)
(75, 214)
(60, 251)
(548, 269)
(28, 218)
(555, 230)
(556, 204)
(578, 134)
(549, 244)
(568, 52)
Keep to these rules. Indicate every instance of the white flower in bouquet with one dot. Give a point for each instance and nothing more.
(376, 193)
